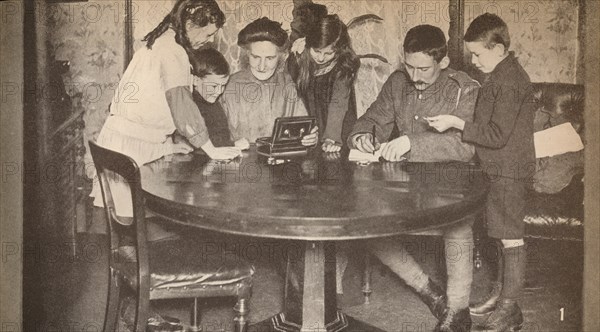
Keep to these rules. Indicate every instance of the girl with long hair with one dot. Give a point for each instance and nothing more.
(154, 98)
(324, 67)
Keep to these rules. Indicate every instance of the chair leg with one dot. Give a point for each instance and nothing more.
(366, 289)
(112, 303)
(240, 321)
(196, 316)
(141, 317)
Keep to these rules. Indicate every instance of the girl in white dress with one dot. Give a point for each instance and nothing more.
(154, 98)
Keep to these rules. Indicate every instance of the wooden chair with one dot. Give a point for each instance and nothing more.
(164, 269)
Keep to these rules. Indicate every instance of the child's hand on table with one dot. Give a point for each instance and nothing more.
(242, 144)
(330, 145)
(222, 153)
(179, 147)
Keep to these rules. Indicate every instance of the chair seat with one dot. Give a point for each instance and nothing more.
(170, 268)
(178, 263)
(556, 216)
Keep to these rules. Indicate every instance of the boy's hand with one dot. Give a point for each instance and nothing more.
(364, 143)
(179, 147)
(330, 145)
(312, 138)
(224, 153)
(396, 148)
(444, 122)
(242, 144)
(178, 138)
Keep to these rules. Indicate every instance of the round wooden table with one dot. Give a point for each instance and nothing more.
(319, 199)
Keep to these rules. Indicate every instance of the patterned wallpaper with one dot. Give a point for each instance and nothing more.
(383, 38)
(543, 34)
(90, 35)
(146, 16)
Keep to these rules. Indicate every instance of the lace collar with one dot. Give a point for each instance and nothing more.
(325, 69)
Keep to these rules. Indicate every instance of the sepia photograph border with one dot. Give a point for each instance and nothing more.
(12, 150)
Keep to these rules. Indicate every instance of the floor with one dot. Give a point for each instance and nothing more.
(74, 289)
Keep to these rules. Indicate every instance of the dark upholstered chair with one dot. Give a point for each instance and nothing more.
(555, 209)
(164, 269)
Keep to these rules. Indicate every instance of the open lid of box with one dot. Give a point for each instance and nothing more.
(287, 135)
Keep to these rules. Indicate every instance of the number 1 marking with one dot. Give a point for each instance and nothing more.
(562, 314)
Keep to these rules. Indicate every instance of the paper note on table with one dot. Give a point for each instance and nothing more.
(556, 140)
(356, 155)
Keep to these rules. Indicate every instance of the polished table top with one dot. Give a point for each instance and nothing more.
(318, 197)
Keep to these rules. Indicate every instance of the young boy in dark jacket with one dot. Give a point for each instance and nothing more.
(502, 132)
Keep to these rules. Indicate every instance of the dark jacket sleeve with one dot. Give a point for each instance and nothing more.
(337, 109)
(430, 146)
(505, 102)
(380, 113)
(186, 116)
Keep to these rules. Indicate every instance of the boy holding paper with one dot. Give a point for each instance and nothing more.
(502, 132)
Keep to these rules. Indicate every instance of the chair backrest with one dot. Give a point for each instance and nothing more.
(559, 103)
(116, 169)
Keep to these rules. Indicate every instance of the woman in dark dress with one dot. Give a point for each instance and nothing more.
(324, 67)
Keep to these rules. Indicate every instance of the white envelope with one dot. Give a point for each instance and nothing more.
(556, 140)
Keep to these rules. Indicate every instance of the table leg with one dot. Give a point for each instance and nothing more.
(310, 303)
(313, 299)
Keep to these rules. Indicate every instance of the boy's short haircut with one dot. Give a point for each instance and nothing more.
(427, 39)
(489, 29)
(208, 61)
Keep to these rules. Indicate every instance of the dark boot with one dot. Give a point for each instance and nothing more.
(514, 272)
(488, 304)
(506, 317)
(454, 321)
(434, 298)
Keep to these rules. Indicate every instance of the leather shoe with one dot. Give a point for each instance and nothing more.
(454, 321)
(434, 298)
(506, 317)
(489, 303)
